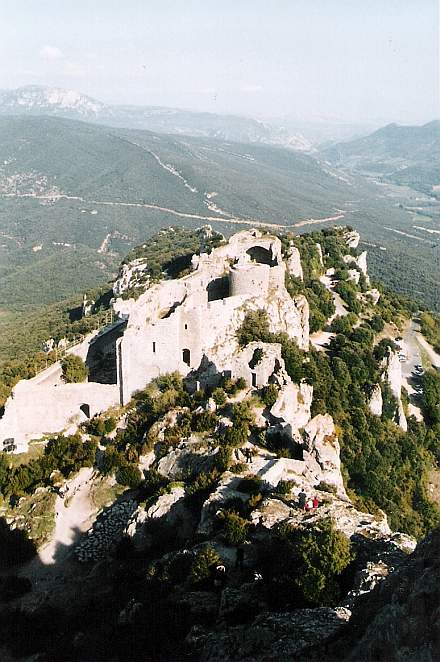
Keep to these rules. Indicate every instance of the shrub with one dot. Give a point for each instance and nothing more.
(96, 426)
(199, 489)
(154, 483)
(232, 387)
(269, 395)
(323, 554)
(235, 528)
(74, 369)
(250, 485)
(219, 396)
(241, 383)
(238, 468)
(390, 406)
(223, 458)
(242, 413)
(255, 326)
(129, 475)
(203, 483)
(344, 324)
(377, 323)
(203, 565)
(431, 396)
(348, 291)
(285, 486)
(326, 487)
(236, 435)
(112, 460)
(109, 424)
(205, 421)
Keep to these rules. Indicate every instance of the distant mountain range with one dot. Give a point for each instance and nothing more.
(37, 100)
(402, 154)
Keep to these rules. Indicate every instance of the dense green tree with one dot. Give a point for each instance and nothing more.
(74, 369)
(323, 553)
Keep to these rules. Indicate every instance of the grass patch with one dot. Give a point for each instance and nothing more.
(105, 492)
(35, 451)
(34, 514)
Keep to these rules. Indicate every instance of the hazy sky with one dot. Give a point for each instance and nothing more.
(355, 60)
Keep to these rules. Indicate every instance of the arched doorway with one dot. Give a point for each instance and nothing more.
(262, 255)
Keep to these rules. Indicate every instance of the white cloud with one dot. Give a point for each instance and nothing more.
(51, 53)
(251, 89)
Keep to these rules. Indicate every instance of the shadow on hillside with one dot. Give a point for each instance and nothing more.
(47, 608)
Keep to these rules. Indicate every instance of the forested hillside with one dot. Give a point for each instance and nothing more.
(401, 154)
(75, 197)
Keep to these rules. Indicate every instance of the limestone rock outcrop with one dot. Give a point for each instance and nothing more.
(131, 276)
(271, 636)
(375, 403)
(392, 373)
(293, 404)
(293, 262)
(398, 620)
(320, 255)
(191, 456)
(322, 451)
(352, 238)
(361, 264)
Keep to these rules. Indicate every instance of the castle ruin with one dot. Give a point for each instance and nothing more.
(187, 325)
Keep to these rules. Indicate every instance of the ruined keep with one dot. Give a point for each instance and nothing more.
(187, 325)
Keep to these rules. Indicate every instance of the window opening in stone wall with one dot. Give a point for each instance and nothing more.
(85, 410)
(186, 355)
(154, 347)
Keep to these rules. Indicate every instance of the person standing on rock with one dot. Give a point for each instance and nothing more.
(302, 498)
(315, 501)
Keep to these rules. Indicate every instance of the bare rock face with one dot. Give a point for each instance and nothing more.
(293, 262)
(131, 275)
(352, 238)
(293, 404)
(322, 451)
(392, 373)
(399, 620)
(347, 519)
(375, 402)
(320, 255)
(164, 503)
(360, 264)
(271, 636)
(189, 456)
(354, 275)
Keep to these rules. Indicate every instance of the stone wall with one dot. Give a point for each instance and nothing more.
(176, 316)
(37, 408)
(173, 327)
